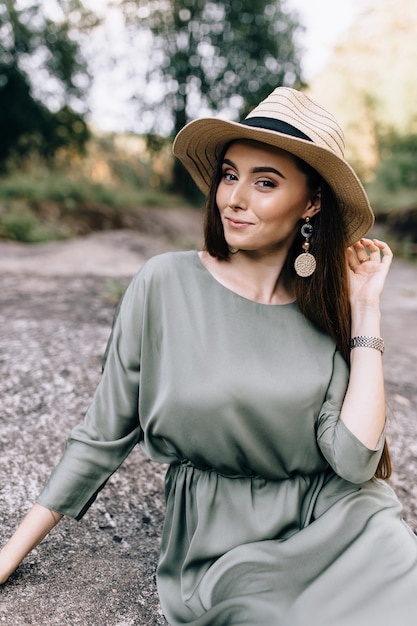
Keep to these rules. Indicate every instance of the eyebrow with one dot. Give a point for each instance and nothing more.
(258, 170)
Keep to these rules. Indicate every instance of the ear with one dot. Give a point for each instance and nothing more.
(314, 205)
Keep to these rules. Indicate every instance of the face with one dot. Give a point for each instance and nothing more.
(262, 195)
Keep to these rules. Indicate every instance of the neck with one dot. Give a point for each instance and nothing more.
(253, 276)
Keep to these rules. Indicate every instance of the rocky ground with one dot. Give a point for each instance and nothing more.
(56, 306)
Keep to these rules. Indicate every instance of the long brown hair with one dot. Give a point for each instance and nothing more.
(323, 297)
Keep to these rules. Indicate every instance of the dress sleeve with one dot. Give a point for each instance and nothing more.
(348, 456)
(111, 428)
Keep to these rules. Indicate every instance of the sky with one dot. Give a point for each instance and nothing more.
(113, 110)
(325, 21)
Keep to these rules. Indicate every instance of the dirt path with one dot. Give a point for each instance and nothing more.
(57, 302)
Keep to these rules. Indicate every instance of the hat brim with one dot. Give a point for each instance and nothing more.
(200, 143)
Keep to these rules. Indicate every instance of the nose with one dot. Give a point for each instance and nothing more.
(237, 198)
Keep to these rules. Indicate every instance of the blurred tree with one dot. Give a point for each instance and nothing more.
(213, 56)
(43, 77)
(369, 81)
(397, 168)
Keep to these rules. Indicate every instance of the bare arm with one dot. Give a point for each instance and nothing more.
(33, 528)
(363, 409)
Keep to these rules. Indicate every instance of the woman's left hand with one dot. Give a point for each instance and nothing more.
(368, 261)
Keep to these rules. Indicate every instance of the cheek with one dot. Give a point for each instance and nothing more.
(221, 197)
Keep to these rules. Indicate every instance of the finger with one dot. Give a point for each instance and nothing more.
(352, 255)
(383, 247)
(360, 248)
(377, 249)
(372, 249)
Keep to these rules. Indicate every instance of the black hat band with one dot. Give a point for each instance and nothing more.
(278, 126)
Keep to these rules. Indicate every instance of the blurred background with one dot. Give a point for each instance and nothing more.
(93, 92)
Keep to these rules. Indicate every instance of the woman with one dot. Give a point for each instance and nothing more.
(254, 368)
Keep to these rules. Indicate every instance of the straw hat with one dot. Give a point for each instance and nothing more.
(289, 120)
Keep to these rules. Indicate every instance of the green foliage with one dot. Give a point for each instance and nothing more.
(43, 78)
(19, 222)
(17, 228)
(214, 56)
(369, 82)
(72, 191)
(397, 169)
(222, 56)
(41, 205)
(393, 189)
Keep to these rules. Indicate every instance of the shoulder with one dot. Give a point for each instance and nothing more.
(163, 271)
(159, 279)
(167, 264)
(168, 261)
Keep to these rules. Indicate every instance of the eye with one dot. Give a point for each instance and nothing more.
(265, 183)
(228, 176)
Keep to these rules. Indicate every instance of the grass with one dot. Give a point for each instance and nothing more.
(41, 206)
(73, 190)
(115, 291)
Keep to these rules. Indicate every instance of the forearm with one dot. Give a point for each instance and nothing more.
(363, 409)
(33, 528)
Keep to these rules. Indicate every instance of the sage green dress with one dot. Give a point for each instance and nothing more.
(273, 517)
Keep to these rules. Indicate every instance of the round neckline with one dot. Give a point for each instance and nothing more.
(234, 293)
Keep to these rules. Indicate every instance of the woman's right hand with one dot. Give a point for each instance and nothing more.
(33, 528)
(6, 568)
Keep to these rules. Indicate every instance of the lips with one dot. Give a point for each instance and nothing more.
(237, 223)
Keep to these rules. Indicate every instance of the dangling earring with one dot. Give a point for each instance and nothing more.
(305, 263)
(233, 250)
